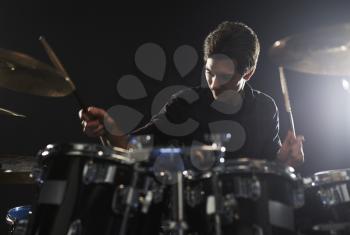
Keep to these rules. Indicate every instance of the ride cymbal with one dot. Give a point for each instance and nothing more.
(324, 51)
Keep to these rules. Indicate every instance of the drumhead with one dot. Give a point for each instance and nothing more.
(84, 150)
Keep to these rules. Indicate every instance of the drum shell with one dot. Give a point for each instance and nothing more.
(269, 209)
(327, 205)
(75, 194)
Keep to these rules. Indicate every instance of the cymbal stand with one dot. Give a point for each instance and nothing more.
(214, 203)
(130, 198)
(177, 226)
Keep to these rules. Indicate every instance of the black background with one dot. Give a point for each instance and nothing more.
(97, 40)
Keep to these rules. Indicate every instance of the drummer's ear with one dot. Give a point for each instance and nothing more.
(249, 74)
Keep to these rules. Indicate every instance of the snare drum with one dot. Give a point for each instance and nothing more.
(327, 203)
(86, 189)
(243, 196)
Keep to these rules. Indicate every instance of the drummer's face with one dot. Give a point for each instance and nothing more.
(221, 75)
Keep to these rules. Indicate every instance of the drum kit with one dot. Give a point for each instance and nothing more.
(88, 189)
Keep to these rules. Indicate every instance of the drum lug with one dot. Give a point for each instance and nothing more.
(257, 230)
(174, 227)
(37, 175)
(248, 187)
(334, 195)
(20, 227)
(256, 188)
(120, 198)
(98, 173)
(298, 197)
(229, 209)
(75, 228)
(146, 201)
(194, 195)
(157, 193)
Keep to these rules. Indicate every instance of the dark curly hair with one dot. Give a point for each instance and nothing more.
(235, 40)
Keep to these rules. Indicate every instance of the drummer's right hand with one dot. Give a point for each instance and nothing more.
(93, 121)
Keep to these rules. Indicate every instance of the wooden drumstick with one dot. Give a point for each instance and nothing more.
(286, 98)
(58, 65)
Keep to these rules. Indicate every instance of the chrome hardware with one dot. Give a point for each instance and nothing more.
(98, 173)
(247, 187)
(21, 227)
(333, 195)
(194, 195)
(75, 228)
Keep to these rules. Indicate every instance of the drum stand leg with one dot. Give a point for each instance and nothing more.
(179, 225)
(217, 205)
(129, 201)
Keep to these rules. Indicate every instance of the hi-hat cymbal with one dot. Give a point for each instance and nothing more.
(6, 112)
(16, 169)
(325, 51)
(22, 73)
(10, 177)
(17, 163)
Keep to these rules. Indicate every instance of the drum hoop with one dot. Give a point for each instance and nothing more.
(94, 151)
(249, 166)
(323, 178)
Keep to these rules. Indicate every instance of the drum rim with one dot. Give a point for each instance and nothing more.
(88, 150)
(329, 177)
(249, 166)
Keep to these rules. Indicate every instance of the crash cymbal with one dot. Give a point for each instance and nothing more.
(324, 51)
(6, 112)
(22, 73)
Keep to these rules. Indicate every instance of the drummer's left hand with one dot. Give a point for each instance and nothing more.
(291, 152)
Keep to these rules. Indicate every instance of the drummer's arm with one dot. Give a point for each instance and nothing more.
(290, 152)
(118, 141)
(94, 122)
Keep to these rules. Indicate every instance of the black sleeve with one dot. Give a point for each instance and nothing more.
(272, 139)
(176, 111)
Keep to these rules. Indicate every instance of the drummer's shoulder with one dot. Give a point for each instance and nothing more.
(263, 99)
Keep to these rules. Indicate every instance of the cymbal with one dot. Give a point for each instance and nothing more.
(18, 163)
(22, 73)
(323, 51)
(6, 112)
(16, 169)
(10, 177)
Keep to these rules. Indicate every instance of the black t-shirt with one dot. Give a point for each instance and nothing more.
(252, 121)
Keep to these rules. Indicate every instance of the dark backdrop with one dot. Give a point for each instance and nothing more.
(97, 40)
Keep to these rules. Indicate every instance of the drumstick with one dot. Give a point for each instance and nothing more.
(286, 98)
(58, 65)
